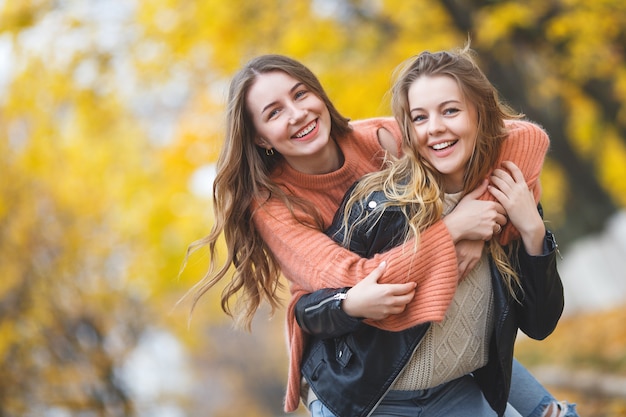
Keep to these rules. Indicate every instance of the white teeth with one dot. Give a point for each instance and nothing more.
(442, 145)
(307, 130)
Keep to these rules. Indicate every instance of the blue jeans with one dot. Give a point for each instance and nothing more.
(458, 398)
(528, 396)
(461, 398)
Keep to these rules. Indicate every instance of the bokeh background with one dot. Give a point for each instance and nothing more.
(112, 115)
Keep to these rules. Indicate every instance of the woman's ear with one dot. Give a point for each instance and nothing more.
(262, 142)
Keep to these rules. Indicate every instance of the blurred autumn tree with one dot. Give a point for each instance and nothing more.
(111, 108)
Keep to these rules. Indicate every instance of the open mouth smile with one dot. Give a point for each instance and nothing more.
(443, 145)
(308, 129)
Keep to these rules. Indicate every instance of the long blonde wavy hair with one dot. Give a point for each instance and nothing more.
(410, 182)
(243, 178)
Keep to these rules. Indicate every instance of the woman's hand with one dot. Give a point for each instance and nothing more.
(474, 219)
(468, 253)
(371, 300)
(510, 189)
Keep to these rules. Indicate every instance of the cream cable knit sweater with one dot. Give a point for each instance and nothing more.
(459, 344)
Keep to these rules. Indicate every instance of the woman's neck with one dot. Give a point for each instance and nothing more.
(451, 186)
(327, 160)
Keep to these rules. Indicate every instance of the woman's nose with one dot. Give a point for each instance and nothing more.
(435, 125)
(297, 114)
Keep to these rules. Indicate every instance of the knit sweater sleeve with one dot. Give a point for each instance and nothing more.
(526, 146)
(310, 261)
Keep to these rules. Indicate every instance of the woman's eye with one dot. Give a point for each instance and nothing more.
(272, 113)
(300, 94)
(419, 118)
(451, 110)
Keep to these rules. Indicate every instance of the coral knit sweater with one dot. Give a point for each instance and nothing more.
(310, 260)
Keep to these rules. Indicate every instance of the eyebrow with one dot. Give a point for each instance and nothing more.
(294, 88)
(442, 104)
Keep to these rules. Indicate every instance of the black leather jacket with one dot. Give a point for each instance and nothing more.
(350, 365)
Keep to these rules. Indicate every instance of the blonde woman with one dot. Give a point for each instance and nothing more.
(454, 137)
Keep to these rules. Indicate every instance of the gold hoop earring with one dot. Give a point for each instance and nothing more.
(269, 152)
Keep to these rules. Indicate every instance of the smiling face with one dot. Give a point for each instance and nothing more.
(446, 126)
(291, 119)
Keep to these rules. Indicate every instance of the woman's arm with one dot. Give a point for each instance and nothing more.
(320, 313)
(311, 261)
(542, 298)
(510, 189)
(526, 146)
(542, 291)
(334, 312)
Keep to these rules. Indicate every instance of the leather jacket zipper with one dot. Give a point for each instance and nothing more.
(395, 379)
(338, 296)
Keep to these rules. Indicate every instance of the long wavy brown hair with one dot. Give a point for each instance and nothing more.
(242, 180)
(411, 183)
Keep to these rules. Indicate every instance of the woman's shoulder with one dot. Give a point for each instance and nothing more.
(375, 122)
(380, 131)
(526, 145)
(525, 131)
